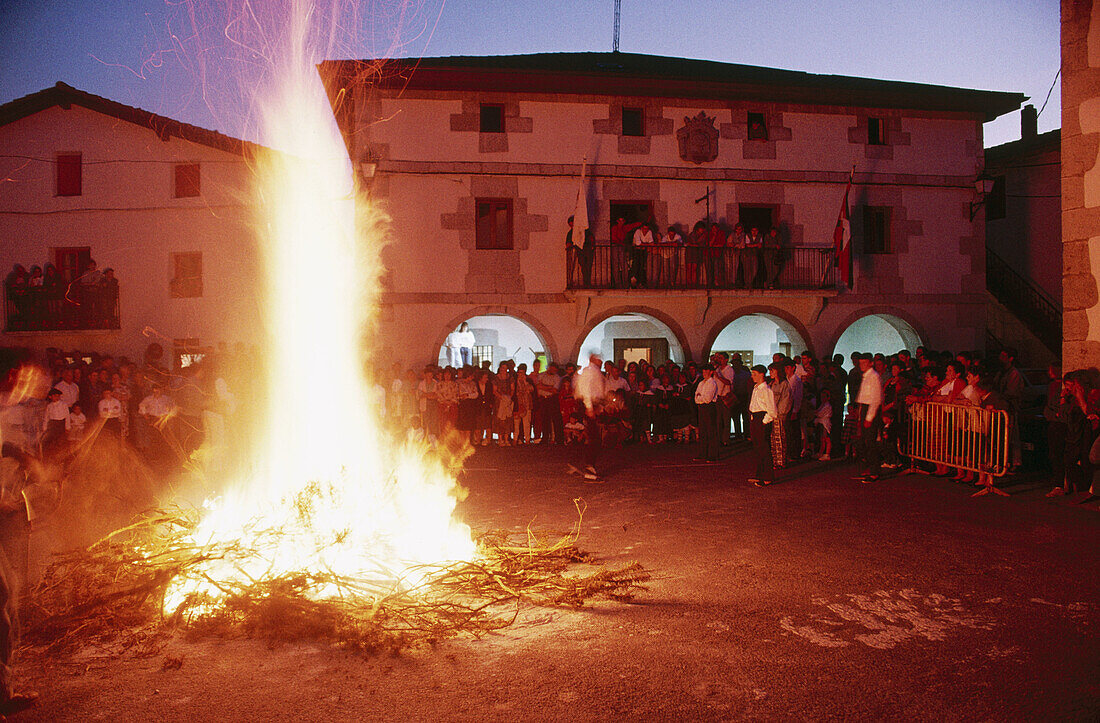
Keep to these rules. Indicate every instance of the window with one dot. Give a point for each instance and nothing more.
(633, 122)
(752, 216)
(187, 180)
(493, 227)
(72, 261)
(876, 131)
(631, 211)
(481, 354)
(758, 127)
(186, 280)
(995, 201)
(69, 174)
(492, 118)
(187, 352)
(876, 230)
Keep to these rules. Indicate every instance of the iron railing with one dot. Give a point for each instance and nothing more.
(1030, 305)
(60, 308)
(688, 267)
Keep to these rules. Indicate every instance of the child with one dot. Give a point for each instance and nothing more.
(888, 439)
(53, 426)
(74, 425)
(851, 431)
(823, 425)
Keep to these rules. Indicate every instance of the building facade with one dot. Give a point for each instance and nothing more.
(478, 161)
(1024, 243)
(166, 206)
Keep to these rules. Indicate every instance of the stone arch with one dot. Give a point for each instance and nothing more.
(670, 323)
(905, 324)
(540, 330)
(790, 325)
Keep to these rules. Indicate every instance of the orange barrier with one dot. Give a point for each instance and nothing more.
(964, 437)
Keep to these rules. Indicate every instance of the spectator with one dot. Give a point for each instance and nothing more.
(823, 426)
(762, 414)
(781, 391)
(1056, 431)
(771, 250)
(706, 402)
(869, 399)
(524, 398)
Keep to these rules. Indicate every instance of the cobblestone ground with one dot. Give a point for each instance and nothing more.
(817, 597)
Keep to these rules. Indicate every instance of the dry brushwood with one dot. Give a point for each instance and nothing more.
(113, 593)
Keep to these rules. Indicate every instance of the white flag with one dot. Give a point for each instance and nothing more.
(580, 215)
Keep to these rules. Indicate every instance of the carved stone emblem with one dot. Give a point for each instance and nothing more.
(698, 139)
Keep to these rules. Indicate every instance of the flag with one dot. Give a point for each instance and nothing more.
(842, 238)
(580, 215)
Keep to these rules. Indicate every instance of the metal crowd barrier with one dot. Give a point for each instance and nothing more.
(964, 437)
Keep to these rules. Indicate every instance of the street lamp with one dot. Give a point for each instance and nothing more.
(983, 185)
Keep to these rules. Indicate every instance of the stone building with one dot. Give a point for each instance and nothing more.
(478, 160)
(1081, 182)
(1023, 215)
(163, 204)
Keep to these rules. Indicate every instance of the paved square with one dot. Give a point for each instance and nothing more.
(816, 597)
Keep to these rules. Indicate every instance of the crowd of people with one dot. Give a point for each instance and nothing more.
(42, 298)
(711, 255)
(793, 409)
(162, 414)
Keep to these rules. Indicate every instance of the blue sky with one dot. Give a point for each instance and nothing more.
(175, 57)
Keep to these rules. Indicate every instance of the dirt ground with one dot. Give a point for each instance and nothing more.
(818, 597)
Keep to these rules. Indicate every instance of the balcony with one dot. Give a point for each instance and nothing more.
(60, 308)
(680, 267)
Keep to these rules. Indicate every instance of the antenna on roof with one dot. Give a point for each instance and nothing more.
(615, 42)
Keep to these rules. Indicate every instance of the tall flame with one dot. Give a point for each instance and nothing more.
(326, 491)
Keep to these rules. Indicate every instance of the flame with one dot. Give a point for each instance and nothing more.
(328, 490)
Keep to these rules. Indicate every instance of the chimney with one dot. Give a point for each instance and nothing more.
(1029, 122)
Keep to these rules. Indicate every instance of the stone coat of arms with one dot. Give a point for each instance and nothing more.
(698, 139)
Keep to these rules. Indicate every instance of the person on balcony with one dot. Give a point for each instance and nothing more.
(772, 257)
(108, 299)
(620, 252)
(716, 255)
(582, 254)
(697, 255)
(669, 253)
(750, 259)
(736, 253)
(644, 241)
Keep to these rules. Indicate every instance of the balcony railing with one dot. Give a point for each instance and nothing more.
(60, 308)
(687, 267)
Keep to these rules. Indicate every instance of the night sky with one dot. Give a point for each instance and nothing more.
(185, 59)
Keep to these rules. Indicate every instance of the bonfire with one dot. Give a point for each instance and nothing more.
(337, 529)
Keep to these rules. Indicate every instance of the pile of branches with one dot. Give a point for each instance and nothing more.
(112, 594)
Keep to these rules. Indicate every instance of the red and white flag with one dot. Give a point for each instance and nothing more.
(842, 238)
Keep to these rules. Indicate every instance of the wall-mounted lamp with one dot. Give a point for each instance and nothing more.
(367, 169)
(983, 185)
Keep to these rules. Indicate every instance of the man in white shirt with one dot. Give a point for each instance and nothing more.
(615, 381)
(869, 399)
(590, 389)
(723, 376)
(70, 392)
(706, 403)
(762, 414)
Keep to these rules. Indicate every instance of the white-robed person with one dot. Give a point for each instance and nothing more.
(590, 389)
(464, 342)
